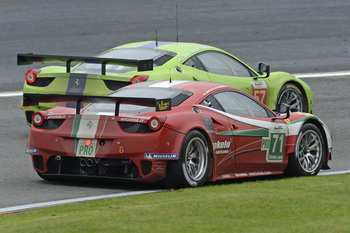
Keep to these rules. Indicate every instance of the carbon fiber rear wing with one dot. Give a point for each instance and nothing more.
(159, 104)
(30, 58)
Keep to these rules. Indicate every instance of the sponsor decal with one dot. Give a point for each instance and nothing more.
(32, 150)
(259, 91)
(258, 173)
(191, 52)
(274, 146)
(163, 105)
(220, 152)
(213, 89)
(161, 156)
(221, 145)
(56, 117)
(159, 167)
(129, 119)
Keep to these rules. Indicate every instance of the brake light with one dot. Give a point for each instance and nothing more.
(31, 75)
(38, 119)
(88, 142)
(155, 123)
(139, 78)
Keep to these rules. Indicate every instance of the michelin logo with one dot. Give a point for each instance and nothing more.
(161, 156)
(32, 150)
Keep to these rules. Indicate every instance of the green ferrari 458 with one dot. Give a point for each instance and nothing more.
(152, 60)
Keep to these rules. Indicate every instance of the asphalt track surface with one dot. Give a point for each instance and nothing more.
(295, 36)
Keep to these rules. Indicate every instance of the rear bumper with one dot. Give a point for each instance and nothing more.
(130, 156)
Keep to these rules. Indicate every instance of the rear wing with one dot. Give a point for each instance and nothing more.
(30, 58)
(159, 104)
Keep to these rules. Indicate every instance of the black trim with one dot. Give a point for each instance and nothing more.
(35, 99)
(51, 124)
(30, 58)
(42, 82)
(115, 85)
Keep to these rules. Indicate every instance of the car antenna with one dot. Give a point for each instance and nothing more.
(156, 38)
(169, 75)
(177, 26)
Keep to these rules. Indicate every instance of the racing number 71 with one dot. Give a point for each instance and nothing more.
(277, 144)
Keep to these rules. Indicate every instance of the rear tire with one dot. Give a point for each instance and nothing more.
(192, 168)
(310, 152)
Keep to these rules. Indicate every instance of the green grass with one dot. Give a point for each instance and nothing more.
(308, 204)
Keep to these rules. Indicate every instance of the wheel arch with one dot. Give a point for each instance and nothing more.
(280, 79)
(303, 92)
(324, 136)
(210, 148)
(207, 137)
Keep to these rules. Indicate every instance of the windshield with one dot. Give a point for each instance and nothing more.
(158, 56)
(177, 96)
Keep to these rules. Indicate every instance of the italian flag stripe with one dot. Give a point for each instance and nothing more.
(76, 124)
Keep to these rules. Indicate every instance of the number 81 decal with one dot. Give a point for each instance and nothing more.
(274, 146)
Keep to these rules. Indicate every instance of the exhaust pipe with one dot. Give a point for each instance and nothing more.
(88, 162)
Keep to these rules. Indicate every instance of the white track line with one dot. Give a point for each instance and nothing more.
(11, 94)
(334, 173)
(325, 74)
(74, 200)
(94, 198)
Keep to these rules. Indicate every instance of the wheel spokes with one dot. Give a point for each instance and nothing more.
(309, 151)
(293, 99)
(196, 159)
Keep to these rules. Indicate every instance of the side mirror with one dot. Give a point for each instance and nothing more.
(264, 69)
(283, 109)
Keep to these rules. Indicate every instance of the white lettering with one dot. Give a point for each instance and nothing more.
(221, 145)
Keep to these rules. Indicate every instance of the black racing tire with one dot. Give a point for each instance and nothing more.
(310, 152)
(192, 168)
(291, 95)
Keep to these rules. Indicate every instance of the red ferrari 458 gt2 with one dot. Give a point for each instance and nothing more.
(181, 133)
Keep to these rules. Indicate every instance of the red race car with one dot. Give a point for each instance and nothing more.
(182, 133)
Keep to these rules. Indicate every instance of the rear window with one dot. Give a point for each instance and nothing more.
(159, 57)
(177, 96)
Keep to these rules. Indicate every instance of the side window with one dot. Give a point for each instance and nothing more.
(195, 63)
(211, 102)
(220, 63)
(239, 104)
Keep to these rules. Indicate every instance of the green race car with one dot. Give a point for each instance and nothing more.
(152, 60)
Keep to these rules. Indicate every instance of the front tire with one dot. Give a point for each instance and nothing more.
(192, 168)
(291, 95)
(310, 152)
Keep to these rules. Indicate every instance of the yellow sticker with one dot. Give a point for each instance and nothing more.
(163, 105)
